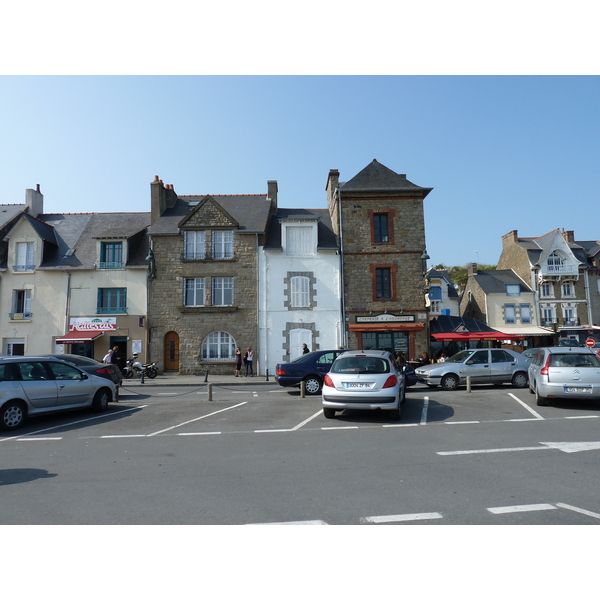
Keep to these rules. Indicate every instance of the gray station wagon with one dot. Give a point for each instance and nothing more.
(482, 365)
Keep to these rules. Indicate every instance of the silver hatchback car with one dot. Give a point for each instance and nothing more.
(363, 380)
(35, 385)
(563, 372)
(482, 365)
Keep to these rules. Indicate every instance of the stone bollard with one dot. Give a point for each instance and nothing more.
(210, 392)
(267, 373)
(469, 384)
(206, 376)
(302, 389)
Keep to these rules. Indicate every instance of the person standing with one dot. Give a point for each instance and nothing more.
(305, 349)
(108, 357)
(238, 362)
(248, 358)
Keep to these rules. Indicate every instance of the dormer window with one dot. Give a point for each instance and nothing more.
(111, 255)
(24, 254)
(513, 289)
(300, 240)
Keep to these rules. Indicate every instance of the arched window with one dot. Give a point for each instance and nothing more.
(218, 345)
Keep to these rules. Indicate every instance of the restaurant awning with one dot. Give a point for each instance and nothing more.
(466, 336)
(386, 327)
(79, 337)
(527, 331)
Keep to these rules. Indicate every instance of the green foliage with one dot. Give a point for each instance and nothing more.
(459, 275)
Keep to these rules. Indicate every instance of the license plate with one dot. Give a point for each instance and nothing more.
(354, 384)
(578, 390)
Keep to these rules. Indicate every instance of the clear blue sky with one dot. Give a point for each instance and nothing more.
(501, 153)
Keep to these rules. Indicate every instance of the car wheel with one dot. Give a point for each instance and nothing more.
(520, 380)
(450, 382)
(312, 385)
(540, 400)
(12, 415)
(328, 413)
(101, 400)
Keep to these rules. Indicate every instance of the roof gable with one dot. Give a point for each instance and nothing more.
(208, 213)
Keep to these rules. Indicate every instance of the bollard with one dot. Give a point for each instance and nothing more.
(469, 384)
(142, 376)
(302, 389)
(267, 373)
(206, 376)
(210, 392)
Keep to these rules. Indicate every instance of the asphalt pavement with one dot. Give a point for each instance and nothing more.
(176, 379)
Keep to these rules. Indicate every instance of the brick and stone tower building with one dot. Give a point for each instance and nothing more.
(378, 216)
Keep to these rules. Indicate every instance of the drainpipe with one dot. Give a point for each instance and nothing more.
(258, 358)
(588, 297)
(344, 340)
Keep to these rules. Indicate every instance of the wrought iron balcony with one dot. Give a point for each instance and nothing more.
(110, 265)
(23, 268)
(103, 310)
(22, 316)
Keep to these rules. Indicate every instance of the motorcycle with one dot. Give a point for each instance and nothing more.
(135, 367)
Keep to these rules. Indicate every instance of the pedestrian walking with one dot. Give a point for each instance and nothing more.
(248, 358)
(238, 362)
(305, 349)
(108, 357)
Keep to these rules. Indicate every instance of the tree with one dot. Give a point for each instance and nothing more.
(459, 275)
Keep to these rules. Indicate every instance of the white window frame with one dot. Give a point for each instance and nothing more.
(218, 345)
(222, 245)
(222, 291)
(194, 290)
(299, 239)
(300, 291)
(570, 289)
(550, 286)
(513, 289)
(525, 311)
(24, 256)
(194, 245)
(510, 314)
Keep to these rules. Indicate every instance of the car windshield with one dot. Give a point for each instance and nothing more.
(460, 356)
(304, 357)
(361, 364)
(574, 360)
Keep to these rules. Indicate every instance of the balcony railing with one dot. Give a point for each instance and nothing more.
(560, 270)
(23, 268)
(22, 316)
(102, 310)
(110, 265)
(562, 322)
(207, 255)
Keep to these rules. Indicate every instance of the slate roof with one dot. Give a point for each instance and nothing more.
(81, 232)
(10, 211)
(377, 177)
(443, 274)
(494, 282)
(251, 211)
(327, 239)
(449, 324)
(537, 246)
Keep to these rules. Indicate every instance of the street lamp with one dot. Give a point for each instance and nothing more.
(151, 264)
(424, 258)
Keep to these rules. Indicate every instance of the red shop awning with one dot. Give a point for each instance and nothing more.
(79, 337)
(490, 336)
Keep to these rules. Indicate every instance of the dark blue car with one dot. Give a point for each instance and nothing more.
(312, 367)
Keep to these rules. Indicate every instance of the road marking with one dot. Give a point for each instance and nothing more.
(402, 518)
(38, 439)
(584, 417)
(501, 510)
(319, 412)
(103, 415)
(292, 523)
(568, 447)
(272, 430)
(535, 414)
(460, 422)
(573, 446)
(202, 433)
(401, 425)
(424, 413)
(528, 420)
(130, 435)
(336, 428)
(578, 510)
(492, 450)
(196, 419)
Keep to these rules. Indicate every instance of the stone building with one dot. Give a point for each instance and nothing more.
(378, 216)
(203, 286)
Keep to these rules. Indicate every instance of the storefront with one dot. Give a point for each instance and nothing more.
(88, 336)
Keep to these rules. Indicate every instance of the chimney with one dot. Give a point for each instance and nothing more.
(333, 182)
(34, 199)
(272, 193)
(569, 236)
(510, 238)
(472, 270)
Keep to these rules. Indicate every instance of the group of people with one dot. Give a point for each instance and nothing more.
(247, 358)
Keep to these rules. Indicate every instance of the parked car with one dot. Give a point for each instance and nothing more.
(483, 365)
(95, 367)
(310, 368)
(363, 380)
(569, 343)
(409, 375)
(36, 385)
(529, 353)
(564, 372)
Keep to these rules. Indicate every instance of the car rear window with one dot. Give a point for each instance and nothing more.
(574, 360)
(361, 364)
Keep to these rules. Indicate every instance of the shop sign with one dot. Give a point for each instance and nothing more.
(93, 324)
(386, 318)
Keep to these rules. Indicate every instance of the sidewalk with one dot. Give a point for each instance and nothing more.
(199, 380)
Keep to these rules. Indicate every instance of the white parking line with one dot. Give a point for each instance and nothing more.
(292, 523)
(306, 421)
(535, 414)
(501, 510)
(402, 518)
(202, 433)
(338, 428)
(424, 413)
(401, 425)
(460, 422)
(130, 435)
(492, 450)
(578, 510)
(584, 417)
(196, 419)
(38, 439)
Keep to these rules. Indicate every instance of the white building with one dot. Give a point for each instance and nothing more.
(299, 287)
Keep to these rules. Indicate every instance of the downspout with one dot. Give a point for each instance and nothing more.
(258, 361)
(588, 298)
(344, 337)
(68, 302)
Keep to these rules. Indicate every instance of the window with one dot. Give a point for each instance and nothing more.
(525, 313)
(222, 291)
(222, 244)
(548, 315)
(21, 305)
(194, 292)
(568, 289)
(509, 313)
(112, 300)
(569, 315)
(435, 292)
(24, 257)
(300, 292)
(381, 234)
(111, 255)
(500, 356)
(383, 283)
(194, 245)
(555, 263)
(299, 240)
(513, 289)
(218, 345)
(547, 290)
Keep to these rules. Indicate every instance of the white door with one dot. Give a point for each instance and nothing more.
(297, 338)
